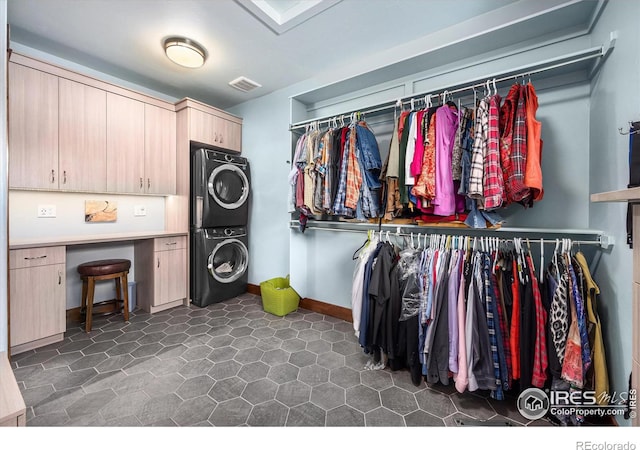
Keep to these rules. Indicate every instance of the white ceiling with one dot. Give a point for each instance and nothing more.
(123, 38)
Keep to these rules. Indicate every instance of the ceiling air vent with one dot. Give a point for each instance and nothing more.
(244, 84)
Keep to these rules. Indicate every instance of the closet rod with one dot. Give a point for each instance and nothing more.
(415, 235)
(420, 97)
(537, 234)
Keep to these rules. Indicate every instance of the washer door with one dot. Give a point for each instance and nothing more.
(228, 261)
(228, 186)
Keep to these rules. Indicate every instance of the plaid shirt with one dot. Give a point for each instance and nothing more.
(505, 371)
(354, 175)
(478, 153)
(498, 393)
(338, 205)
(518, 156)
(493, 182)
(540, 356)
(507, 116)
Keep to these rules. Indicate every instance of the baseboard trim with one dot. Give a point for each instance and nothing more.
(328, 309)
(253, 289)
(339, 312)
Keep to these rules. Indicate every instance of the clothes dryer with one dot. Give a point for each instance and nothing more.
(220, 187)
(219, 263)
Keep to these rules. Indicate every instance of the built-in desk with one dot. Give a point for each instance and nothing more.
(17, 244)
(12, 407)
(37, 280)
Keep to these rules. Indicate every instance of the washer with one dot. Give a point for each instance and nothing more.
(219, 263)
(220, 187)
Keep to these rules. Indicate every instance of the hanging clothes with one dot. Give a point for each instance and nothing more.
(533, 170)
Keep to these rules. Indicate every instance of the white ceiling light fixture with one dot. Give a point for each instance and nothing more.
(185, 52)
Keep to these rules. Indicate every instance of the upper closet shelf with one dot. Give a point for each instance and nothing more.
(588, 60)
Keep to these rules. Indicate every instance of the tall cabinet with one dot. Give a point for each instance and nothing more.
(631, 196)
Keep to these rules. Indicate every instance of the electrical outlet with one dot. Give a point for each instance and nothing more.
(46, 210)
(139, 211)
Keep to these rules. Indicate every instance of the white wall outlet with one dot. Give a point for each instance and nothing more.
(46, 210)
(139, 211)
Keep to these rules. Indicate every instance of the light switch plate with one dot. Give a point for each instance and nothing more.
(139, 211)
(46, 210)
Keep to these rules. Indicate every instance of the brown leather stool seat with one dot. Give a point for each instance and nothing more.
(105, 269)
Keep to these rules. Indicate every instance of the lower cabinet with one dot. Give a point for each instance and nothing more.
(161, 273)
(37, 297)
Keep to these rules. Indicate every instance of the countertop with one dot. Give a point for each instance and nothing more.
(16, 244)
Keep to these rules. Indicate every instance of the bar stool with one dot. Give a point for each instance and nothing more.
(105, 269)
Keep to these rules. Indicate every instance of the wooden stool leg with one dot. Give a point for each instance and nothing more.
(83, 307)
(91, 291)
(126, 296)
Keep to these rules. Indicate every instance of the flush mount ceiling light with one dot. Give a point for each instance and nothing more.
(185, 52)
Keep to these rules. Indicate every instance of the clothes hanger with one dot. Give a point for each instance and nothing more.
(355, 254)
(495, 89)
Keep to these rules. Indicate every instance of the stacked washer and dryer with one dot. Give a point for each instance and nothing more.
(219, 214)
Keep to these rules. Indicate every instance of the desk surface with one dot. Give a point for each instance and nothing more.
(89, 239)
(11, 402)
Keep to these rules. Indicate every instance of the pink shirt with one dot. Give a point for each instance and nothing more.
(446, 126)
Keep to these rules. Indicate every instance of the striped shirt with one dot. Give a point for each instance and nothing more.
(478, 153)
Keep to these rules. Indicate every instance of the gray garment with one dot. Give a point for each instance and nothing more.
(483, 359)
(392, 165)
(438, 333)
(438, 357)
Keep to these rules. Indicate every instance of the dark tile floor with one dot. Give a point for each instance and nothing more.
(231, 364)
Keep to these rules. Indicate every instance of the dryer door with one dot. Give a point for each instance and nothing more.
(228, 261)
(228, 186)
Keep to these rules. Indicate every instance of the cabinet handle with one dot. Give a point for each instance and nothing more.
(216, 137)
(59, 277)
(35, 257)
(148, 183)
(64, 177)
(158, 262)
(221, 138)
(53, 176)
(171, 243)
(141, 183)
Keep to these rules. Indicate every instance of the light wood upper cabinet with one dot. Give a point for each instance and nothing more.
(214, 130)
(231, 137)
(83, 137)
(159, 150)
(33, 128)
(125, 144)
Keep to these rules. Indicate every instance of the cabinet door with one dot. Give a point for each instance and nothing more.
(159, 150)
(170, 276)
(38, 302)
(33, 128)
(125, 145)
(83, 137)
(230, 135)
(201, 127)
